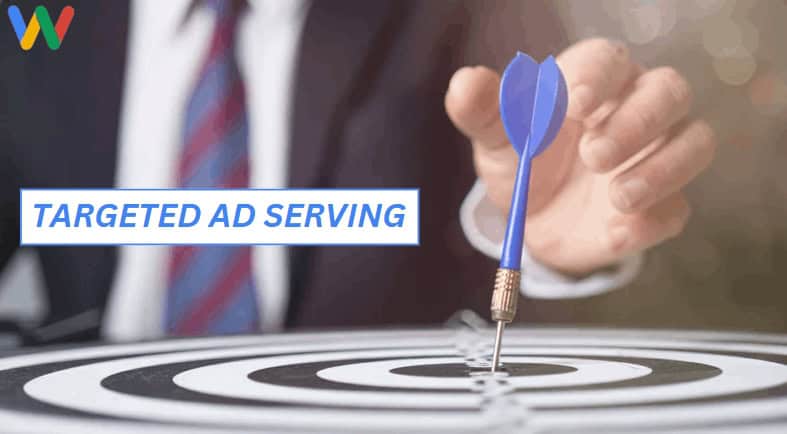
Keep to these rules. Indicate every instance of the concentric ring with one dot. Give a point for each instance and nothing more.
(391, 381)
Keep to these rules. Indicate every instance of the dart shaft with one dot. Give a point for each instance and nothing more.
(511, 256)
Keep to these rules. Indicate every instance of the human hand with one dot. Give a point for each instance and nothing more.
(611, 183)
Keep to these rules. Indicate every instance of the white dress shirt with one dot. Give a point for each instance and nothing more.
(164, 55)
(485, 228)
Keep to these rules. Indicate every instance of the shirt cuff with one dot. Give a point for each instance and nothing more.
(485, 228)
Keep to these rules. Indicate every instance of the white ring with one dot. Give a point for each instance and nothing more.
(79, 387)
(229, 380)
(378, 374)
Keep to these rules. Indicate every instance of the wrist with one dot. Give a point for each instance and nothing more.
(577, 261)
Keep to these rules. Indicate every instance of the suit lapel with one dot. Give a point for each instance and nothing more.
(108, 73)
(66, 132)
(340, 41)
(342, 44)
(77, 91)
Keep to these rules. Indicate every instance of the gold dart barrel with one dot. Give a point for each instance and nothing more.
(504, 299)
(506, 294)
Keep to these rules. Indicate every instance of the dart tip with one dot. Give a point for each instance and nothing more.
(498, 342)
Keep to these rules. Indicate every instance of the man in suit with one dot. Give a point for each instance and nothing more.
(344, 93)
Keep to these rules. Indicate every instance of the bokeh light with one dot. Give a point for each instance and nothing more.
(768, 93)
(723, 37)
(642, 23)
(735, 71)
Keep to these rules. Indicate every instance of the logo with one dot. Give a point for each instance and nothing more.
(40, 22)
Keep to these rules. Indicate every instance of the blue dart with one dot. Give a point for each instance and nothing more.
(533, 102)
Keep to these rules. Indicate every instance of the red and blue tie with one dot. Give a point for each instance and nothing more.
(211, 288)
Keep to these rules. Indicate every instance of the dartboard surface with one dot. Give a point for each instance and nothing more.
(555, 380)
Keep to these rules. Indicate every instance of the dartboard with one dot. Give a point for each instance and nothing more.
(553, 380)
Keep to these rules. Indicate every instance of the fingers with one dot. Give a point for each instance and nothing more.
(636, 232)
(659, 98)
(666, 170)
(596, 70)
(472, 104)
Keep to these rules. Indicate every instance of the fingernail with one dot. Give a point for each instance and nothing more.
(630, 192)
(598, 153)
(581, 99)
(618, 236)
(620, 46)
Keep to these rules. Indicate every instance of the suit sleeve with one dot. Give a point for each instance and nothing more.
(9, 209)
(9, 179)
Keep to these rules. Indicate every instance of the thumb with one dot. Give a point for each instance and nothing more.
(472, 104)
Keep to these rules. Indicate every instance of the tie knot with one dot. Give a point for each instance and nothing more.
(227, 8)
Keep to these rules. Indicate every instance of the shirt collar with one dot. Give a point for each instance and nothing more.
(280, 8)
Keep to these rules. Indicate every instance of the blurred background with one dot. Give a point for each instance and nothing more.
(729, 268)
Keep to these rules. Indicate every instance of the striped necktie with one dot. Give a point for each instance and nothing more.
(211, 288)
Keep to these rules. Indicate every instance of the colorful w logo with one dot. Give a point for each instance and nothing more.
(40, 22)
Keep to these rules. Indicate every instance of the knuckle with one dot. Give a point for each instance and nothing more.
(608, 47)
(643, 121)
(705, 141)
(677, 228)
(674, 84)
(659, 173)
(596, 42)
(679, 223)
(599, 59)
(705, 134)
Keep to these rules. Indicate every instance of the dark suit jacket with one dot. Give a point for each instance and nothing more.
(368, 112)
